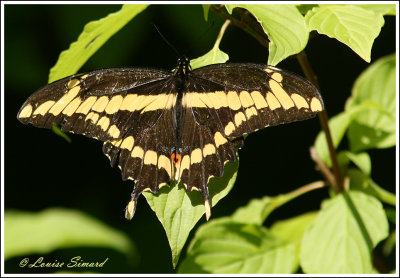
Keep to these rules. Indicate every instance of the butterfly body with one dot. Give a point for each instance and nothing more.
(182, 125)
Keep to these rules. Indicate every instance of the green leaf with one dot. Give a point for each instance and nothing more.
(58, 131)
(354, 26)
(206, 9)
(215, 55)
(383, 9)
(93, 36)
(292, 229)
(362, 182)
(342, 237)
(338, 126)
(375, 126)
(222, 246)
(179, 211)
(284, 25)
(257, 210)
(43, 232)
(304, 8)
(362, 160)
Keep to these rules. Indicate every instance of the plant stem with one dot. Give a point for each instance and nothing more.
(242, 24)
(323, 119)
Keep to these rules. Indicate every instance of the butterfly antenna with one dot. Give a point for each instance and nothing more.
(165, 39)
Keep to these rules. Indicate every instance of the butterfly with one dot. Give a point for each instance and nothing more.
(182, 125)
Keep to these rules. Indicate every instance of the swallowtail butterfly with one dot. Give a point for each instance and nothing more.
(182, 125)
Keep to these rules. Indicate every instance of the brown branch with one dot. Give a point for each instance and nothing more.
(244, 24)
(323, 119)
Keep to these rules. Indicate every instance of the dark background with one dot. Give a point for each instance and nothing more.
(42, 170)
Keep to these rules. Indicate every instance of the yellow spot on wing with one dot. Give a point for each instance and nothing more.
(130, 209)
(93, 117)
(116, 143)
(207, 207)
(196, 156)
(161, 102)
(114, 131)
(272, 101)
(150, 158)
(72, 106)
(104, 122)
(165, 163)
(114, 104)
(229, 128)
(250, 112)
(299, 101)
(281, 95)
(219, 139)
(137, 152)
(246, 99)
(100, 104)
(277, 77)
(222, 99)
(129, 102)
(64, 101)
(315, 105)
(86, 105)
(259, 100)
(184, 164)
(44, 107)
(72, 83)
(239, 118)
(208, 149)
(26, 112)
(128, 143)
(233, 100)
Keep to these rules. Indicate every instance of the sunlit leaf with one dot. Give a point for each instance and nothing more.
(284, 25)
(340, 240)
(354, 26)
(374, 127)
(93, 36)
(226, 247)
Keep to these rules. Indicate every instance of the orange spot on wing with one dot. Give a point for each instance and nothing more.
(176, 158)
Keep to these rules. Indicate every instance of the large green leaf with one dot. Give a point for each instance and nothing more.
(284, 25)
(292, 229)
(354, 26)
(374, 127)
(179, 211)
(340, 240)
(43, 232)
(223, 246)
(93, 36)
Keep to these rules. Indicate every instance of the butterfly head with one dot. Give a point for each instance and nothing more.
(182, 66)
